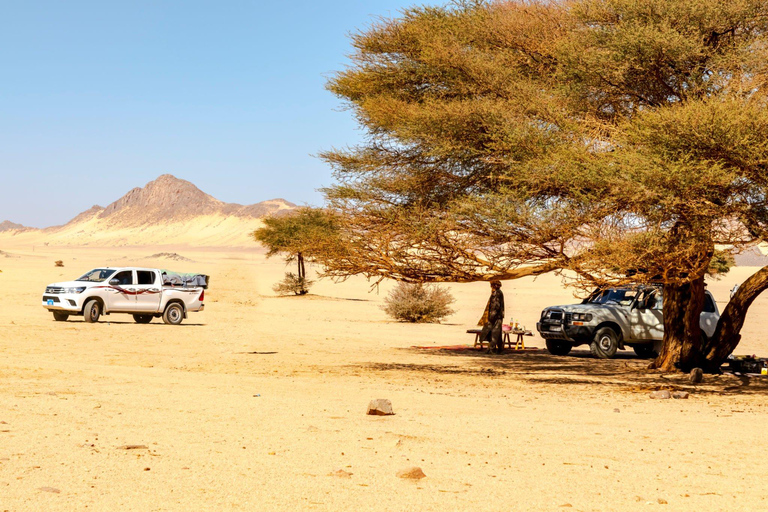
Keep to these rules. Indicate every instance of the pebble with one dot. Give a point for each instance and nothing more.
(680, 395)
(412, 473)
(340, 473)
(662, 394)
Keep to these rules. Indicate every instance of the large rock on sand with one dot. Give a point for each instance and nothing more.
(380, 407)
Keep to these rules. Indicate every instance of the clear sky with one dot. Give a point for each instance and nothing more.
(98, 97)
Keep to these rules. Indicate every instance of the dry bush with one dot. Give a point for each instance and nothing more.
(58, 263)
(293, 284)
(418, 303)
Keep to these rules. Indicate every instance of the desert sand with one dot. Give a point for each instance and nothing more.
(258, 402)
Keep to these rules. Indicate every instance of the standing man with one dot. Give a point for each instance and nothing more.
(495, 316)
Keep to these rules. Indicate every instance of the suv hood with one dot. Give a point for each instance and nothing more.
(585, 308)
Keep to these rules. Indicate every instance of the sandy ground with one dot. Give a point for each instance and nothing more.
(256, 402)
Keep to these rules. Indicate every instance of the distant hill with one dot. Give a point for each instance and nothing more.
(167, 210)
(7, 225)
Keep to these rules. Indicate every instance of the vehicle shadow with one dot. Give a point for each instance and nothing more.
(125, 322)
(625, 372)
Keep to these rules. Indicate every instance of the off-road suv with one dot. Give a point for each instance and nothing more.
(615, 318)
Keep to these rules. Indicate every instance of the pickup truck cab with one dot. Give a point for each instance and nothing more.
(145, 293)
(615, 318)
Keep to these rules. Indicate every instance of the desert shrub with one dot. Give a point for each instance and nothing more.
(58, 263)
(419, 303)
(293, 284)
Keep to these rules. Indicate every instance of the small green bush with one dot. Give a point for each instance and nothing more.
(418, 303)
(293, 284)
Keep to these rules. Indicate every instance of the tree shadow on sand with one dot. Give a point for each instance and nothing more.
(623, 373)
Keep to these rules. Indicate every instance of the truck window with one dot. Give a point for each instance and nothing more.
(145, 277)
(97, 275)
(124, 278)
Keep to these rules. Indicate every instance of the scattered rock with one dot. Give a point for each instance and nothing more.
(58, 263)
(413, 473)
(380, 407)
(680, 395)
(662, 501)
(697, 375)
(566, 505)
(661, 394)
(170, 256)
(616, 410)
(50, 489)
(133, 447)
(340, 473)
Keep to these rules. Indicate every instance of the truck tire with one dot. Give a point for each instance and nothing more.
(558, 347)
(60, 317)
(92, 311)
(142, 319)
(646, 350)
(174, 314)
(605, 343)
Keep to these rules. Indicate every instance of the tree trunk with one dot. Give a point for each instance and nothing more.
(300, 261)
(302, 273)
(682, 347)
(728, 333)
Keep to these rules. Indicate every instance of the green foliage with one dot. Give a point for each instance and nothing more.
(307, 231)
(293, 284)
(513, 138)
(418, 303)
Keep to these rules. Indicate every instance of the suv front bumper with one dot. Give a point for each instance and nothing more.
(572, 333)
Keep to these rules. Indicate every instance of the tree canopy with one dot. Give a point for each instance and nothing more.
(622, 140)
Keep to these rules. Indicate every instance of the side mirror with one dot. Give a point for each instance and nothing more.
(114, 282)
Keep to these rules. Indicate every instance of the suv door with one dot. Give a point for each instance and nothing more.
(645, 318)
(709, 315)
(147, 291)
(121, 295)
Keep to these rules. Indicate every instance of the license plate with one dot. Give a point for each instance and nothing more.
(554, 327)
(49, 302)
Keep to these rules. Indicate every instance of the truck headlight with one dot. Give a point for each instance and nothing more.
(77, 289)
(582, 317)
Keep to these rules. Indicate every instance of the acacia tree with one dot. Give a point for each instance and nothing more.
(619, 140)
(299, 235)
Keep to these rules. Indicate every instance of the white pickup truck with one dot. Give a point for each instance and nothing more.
(146, 293)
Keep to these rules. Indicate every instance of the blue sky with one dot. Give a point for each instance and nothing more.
(99, 97)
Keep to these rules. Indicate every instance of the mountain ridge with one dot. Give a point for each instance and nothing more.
(167, 209)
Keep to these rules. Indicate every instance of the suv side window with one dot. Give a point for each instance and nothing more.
(709, 304)
(145, 277)
(124, 278)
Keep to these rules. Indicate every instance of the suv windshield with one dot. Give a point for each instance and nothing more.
(616, 296)
(97, 275)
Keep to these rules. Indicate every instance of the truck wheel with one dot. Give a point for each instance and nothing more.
(92, 311)
(59, 316)
(142, 319)
(646, 351)
(605, 343)
(174, 314)
(558, 348)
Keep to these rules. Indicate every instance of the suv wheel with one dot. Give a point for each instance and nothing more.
(174, 314)
(558, 348)
(605, 343)
(646, 351)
